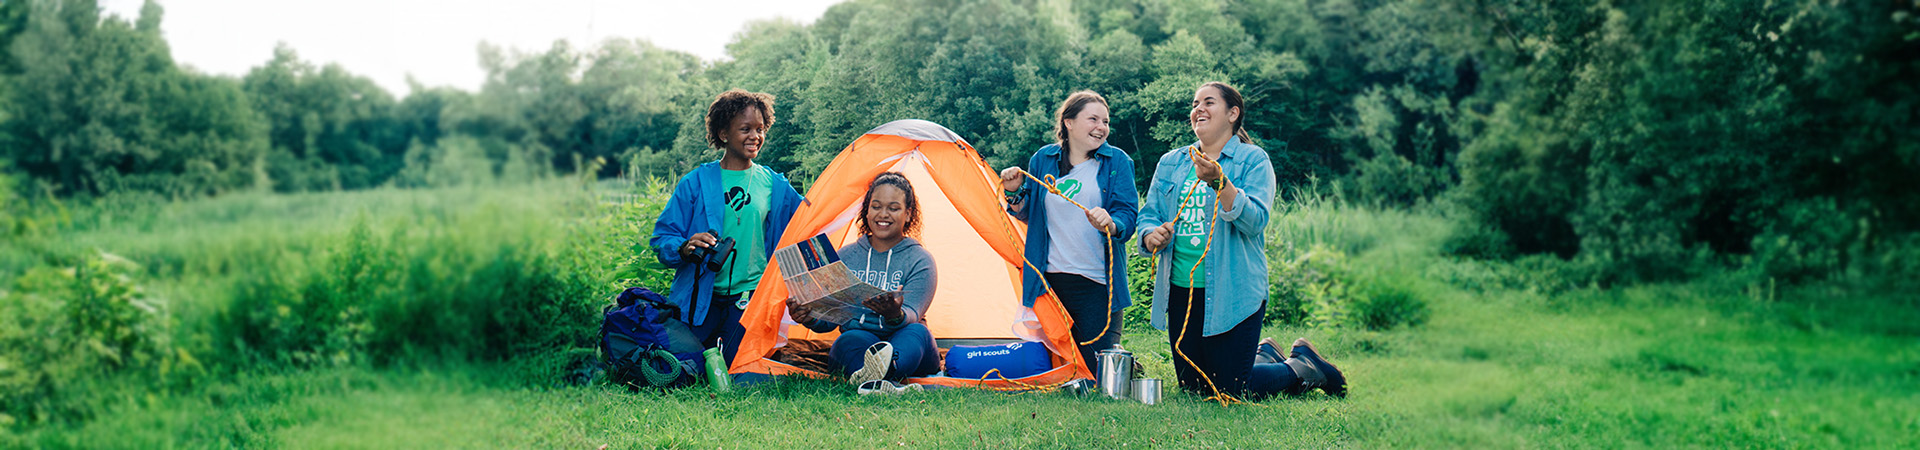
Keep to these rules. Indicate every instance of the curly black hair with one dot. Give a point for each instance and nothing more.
(729, 105)
(898, 180)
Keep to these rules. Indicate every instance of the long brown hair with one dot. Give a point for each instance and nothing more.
(1070, 109)
(1233, 99)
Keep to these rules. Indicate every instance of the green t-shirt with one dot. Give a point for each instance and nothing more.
(747, 195)
(1190, 235)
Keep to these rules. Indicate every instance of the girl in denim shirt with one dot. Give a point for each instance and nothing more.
(1081, 254)
(1205, 218)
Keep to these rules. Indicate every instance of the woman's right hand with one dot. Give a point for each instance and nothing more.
(1010, 179)
(700, 240)
(1157, 238)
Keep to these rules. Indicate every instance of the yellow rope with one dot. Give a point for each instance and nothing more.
(1003, 377)
(1107, 314)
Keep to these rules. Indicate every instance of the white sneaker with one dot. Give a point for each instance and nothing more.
(887, 387)
(879, 359)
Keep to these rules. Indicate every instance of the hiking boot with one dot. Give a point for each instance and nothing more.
(1315, 371)
(1268, 352)
(879, 358)
(886, 387)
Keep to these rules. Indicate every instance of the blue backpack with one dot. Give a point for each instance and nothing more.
(646, 344)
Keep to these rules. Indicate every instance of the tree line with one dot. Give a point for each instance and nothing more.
(1641, 137)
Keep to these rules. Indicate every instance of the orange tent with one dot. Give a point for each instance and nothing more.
(977, 249)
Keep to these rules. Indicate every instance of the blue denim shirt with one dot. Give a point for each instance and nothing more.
(1117, 195)
(696, 208)
(1236, 266)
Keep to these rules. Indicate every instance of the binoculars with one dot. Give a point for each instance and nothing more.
(715, 257)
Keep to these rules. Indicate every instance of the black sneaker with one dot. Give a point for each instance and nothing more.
(1267, 353)
(1315, 371)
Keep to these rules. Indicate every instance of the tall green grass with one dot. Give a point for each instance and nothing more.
(445, 318)
(286, 282)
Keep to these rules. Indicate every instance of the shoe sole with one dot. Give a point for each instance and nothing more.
(883, 387)
(876, 367)
(1330, 390)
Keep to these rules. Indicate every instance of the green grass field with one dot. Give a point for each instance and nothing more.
(1504, 361)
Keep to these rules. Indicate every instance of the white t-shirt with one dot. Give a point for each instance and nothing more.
(1076, 247)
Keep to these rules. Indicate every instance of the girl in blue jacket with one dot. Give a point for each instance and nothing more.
(732, 198)
(1081, 254)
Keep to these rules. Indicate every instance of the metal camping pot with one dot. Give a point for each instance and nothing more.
(1116, 372)
(1147, 390)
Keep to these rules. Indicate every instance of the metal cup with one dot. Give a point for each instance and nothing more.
(1147, 390)
(1116, 372)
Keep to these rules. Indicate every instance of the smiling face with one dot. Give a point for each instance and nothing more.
(886, 215)
(745, 134)
(1211, 118)
(1088, 130)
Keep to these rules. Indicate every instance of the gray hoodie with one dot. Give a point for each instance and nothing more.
(907, 267)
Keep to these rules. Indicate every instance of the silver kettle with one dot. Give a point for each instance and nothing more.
(1116, 372)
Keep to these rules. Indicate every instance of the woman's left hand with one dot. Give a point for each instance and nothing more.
(887, 305)
(1100, 220)
(1205, 169)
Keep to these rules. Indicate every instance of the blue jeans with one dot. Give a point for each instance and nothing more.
(913, 351)
(723, 324)
(1226, 358)
(1086, 303)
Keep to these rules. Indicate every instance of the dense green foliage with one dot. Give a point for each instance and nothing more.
(1646, 139)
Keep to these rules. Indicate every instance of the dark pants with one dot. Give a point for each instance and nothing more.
(913, 351)
(723, 323)
(1226, 358)
(1088, 305)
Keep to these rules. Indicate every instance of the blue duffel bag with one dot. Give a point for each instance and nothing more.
(1015, 360)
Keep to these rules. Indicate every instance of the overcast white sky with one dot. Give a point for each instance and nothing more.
(435, 40)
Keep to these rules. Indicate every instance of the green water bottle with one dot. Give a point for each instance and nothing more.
(717, 370)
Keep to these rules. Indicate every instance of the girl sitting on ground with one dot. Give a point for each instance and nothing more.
(888, 338)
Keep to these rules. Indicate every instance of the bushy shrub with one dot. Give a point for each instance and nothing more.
(1386, 302)
(627, 222)
(1321, 288)
(1811, 238)
(432, 289)
(63, 327)
(1312, 289)
(291, 316)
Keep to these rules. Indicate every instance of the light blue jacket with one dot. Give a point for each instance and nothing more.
(1236, 266)
(1117, 195)
(696, 207)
